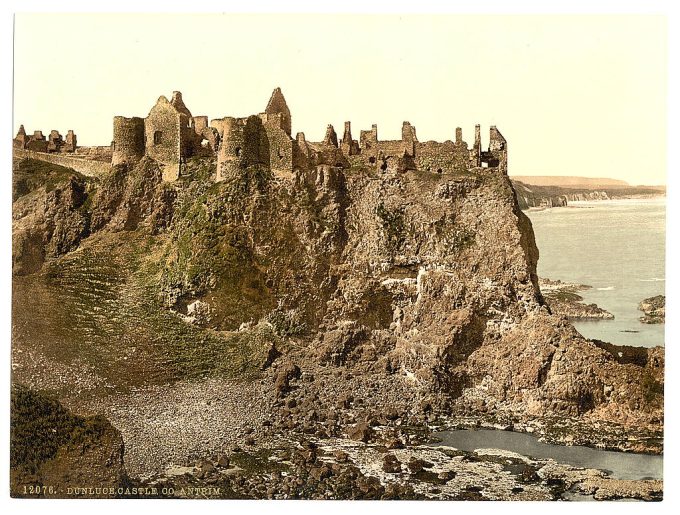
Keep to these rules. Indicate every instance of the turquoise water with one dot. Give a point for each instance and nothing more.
(616, 246)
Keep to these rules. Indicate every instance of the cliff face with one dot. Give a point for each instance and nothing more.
(529, 195)
(426, 279)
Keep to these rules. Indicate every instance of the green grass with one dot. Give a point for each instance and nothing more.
(39, 426)
(31, 174)
(100, 308)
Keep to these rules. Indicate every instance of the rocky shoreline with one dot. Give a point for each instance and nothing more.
(282, 439)
(377, 458)
(563, 300)
(531, 196)
(654, 309)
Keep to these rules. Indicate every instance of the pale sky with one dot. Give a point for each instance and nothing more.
(573, 95)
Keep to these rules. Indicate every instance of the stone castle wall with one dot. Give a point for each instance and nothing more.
(444, 157)
(98, 153)
(163, 136)
(85, 166)
(170, 134)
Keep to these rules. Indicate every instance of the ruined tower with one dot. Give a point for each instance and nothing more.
(331, 138)
(168, 135)
(476, 154)
(277, 106)
(128, 140)
(71, 142)
(21, 139)
(243, 143)
(349, 146)
(497, 155)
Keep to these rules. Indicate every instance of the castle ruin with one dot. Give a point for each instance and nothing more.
(170, 135)
(37, 142)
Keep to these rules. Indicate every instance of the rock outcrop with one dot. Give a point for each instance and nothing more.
(654, 309)
(564, 301)
(49, 215)
(54, 452)
(423, 280)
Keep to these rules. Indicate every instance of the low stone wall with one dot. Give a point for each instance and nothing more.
(84, 166)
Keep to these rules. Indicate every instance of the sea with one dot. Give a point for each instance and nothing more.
(618, 248)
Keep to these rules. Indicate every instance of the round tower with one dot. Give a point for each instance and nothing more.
(128, 140)
(231, 156)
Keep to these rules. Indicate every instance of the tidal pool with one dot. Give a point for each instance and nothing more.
(620, 465)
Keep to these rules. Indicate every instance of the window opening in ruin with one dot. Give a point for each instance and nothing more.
(238, 151)
(157, 137)
(371, 160)
(439, 170)
(205, 143)
(485, 164)
(383, 166)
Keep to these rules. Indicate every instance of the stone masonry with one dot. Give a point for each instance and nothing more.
(170, 135)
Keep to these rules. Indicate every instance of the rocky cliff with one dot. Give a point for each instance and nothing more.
(530, 195)
(426, 282)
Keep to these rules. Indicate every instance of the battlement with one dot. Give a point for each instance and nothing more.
(170, 134)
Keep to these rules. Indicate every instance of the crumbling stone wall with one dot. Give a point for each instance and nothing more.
(164, 128)
(349, 146)
(447, 157)
(55, 141)
(85, 166)
(97, 153)
(71, 143)
(170, 135)
(21, 139)
(476, 151)
(38, 143)
(497, 155)
(277, 105)
(198, 123)
(279, 142)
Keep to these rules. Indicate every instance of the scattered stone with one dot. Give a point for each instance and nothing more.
(360, 432)
(391, 464)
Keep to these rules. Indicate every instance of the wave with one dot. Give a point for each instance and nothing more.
(606, 288)
(652, 280)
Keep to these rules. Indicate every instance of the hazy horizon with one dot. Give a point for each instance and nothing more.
(573, 95)
(593, 180)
